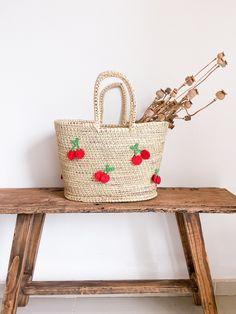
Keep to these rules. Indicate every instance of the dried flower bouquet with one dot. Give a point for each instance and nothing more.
(170, 104)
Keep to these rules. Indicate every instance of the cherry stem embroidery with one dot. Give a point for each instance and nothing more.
(76, 144)
(109, 169)
(136, 149)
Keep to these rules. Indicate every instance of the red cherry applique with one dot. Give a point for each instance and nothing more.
(139, 154)
(137, 160)
(71, 155)
(145, 154)
(103, 176)
(76, 151)
(98, 175)
(79, 153)
(156, 178)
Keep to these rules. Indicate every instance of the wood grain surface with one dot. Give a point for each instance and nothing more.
(188, 254)
(17, 261)
(203, 275)
(30, 260)
(169, 200)
(107, 287)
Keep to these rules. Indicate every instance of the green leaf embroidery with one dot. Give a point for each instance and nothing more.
(136, 149)
(76, 143)
(109, 169)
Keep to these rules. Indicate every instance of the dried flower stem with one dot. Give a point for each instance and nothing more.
(206, 66)
(202, 79)
(166, 105)
(211, 102)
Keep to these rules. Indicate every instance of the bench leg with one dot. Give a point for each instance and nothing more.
(188, 255)
(198, 257)
(16, 263)
(34, 241)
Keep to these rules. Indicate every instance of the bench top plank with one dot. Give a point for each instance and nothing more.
(169, 200)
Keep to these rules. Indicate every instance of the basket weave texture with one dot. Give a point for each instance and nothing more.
(107, 144)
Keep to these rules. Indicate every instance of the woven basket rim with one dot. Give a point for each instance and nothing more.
(70, 122)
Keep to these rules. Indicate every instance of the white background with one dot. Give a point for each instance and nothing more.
(51, 52)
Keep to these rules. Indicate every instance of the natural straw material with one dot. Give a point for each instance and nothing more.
(120, 85)
(107, 144)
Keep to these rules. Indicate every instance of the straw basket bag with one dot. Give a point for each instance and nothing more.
(110, 163)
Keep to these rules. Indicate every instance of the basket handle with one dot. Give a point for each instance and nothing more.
(97, 104)
(123, 117)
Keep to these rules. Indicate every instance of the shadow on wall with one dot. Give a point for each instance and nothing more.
(43, 163)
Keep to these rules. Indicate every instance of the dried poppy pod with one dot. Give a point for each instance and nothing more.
(222, 62)
(174, 106)
(173, 102)
(187, 118)
(161, 117)
(221, 94)
(174, 92)
(192, 93)
(167, 90)
(171, 125)
(160, 94)
(189, 80)
(170, 102)
(187, 104)
(220, 55)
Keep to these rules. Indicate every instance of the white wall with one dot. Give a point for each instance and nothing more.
(51, 52)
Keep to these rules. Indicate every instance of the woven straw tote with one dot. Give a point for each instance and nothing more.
(97, 160)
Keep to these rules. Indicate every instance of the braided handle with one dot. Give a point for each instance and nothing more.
(123, 117)
(97, 104)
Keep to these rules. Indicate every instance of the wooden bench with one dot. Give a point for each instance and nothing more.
(31, 206)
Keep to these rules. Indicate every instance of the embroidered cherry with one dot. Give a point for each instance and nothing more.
(98, 175)
(139, 154)
(103, 176)
(137, 158)
(71, 155)
(76, 151)
(145, 154)
(156, 178)
(79, 153)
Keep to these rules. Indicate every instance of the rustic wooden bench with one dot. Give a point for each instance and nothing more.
(31, 206)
